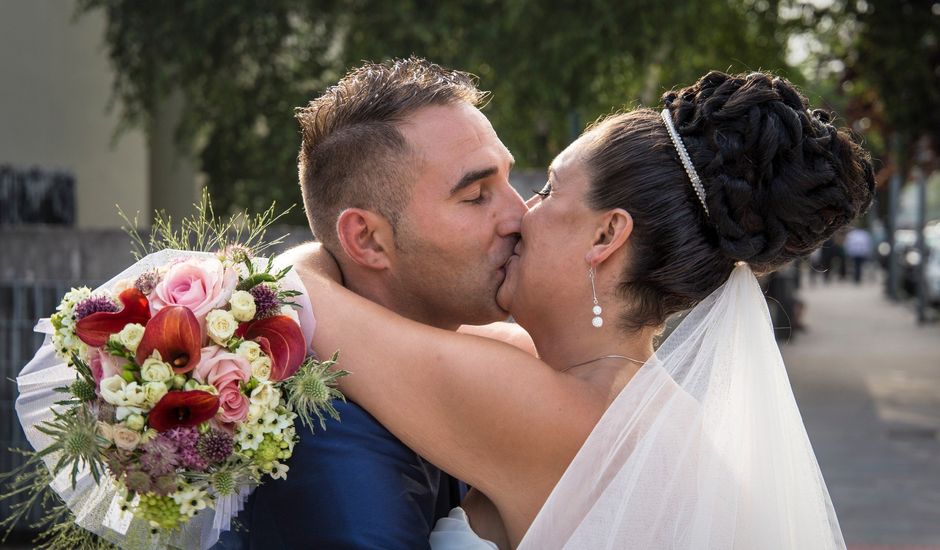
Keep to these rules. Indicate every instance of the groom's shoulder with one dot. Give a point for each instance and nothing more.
(352, 485)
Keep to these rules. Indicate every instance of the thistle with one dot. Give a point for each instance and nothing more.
(266, 301)
(75, 441)
(225, 479)
(312, 389)
(82, 390)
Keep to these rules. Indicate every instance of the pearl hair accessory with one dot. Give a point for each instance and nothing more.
(597, 321)
(684, 157)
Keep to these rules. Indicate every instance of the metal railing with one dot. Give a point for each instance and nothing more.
(21, 305)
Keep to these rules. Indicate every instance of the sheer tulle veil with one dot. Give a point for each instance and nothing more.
(704, 448)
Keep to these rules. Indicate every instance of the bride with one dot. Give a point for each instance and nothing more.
(602, 439)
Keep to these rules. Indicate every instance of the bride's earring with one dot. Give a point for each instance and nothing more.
(596, 321)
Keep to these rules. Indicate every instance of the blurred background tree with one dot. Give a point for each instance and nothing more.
(241, 67)
(878, 63)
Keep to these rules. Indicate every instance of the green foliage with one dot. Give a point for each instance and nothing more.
(56, 525)
(240, 234)
(242, 67)
(884, 67)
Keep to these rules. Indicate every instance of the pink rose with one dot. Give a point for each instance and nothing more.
(104, 365)
(199, 284)
(226, 372)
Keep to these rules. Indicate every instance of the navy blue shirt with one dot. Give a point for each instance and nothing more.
(352, 486)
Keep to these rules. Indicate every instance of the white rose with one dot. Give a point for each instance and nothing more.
(220, 325)
(134, 395)
(154, 392)
(243, 305)
(249, 350)
(125, 438)
(112, 389)
(155, 370)
(131, 335)
(261, 368)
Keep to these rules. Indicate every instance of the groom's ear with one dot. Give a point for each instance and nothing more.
(611, 234)
(366, 237)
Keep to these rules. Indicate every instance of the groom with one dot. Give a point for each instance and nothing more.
(405, 182)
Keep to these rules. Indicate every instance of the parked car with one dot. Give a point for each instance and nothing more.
(910, 259)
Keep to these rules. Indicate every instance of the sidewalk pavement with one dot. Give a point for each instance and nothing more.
(867, 380)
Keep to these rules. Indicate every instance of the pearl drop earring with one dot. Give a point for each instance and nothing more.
(597, 321)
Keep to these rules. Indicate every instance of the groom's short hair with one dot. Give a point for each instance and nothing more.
(353, 154)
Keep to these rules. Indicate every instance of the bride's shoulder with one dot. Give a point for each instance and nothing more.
(298, 256)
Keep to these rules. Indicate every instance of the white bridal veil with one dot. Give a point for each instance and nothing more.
(703, 449)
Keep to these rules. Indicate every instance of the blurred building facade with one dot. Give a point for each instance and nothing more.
(56, 124)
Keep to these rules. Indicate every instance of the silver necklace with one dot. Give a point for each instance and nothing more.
(637, 361)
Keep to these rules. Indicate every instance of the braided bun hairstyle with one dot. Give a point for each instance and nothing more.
(779, 180)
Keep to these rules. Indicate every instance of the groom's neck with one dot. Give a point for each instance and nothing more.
(377, 290)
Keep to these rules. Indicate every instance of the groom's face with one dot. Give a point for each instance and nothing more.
(462, 221)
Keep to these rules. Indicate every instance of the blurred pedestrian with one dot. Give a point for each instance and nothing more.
(858, 248)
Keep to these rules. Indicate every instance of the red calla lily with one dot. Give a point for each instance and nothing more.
(175, 333)
(281, 339)
(96, 328)
(182, 408)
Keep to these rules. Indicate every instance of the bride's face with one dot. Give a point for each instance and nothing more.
(548, 274)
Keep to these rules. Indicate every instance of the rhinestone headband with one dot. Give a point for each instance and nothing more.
(684, 157)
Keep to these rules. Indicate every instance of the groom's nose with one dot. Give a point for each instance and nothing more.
(510, 214)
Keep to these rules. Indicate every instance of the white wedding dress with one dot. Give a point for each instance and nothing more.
(454, 533)
(703, 449)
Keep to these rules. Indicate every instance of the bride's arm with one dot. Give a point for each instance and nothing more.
(482, 410)
(510, 333)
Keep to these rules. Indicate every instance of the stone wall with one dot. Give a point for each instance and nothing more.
(49, 253)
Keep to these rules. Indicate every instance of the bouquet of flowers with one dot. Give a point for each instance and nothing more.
(185, 376)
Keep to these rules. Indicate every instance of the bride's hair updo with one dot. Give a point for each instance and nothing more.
(779, 180)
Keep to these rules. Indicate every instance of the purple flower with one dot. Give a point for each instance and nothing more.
(192, 459)
(266, 302)
(159, 456)
(94, 304)
(215, 445)
(184, 437)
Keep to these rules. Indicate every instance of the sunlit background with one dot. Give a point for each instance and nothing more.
(144, 104)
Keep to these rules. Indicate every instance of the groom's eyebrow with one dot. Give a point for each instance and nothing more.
(470, 178)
